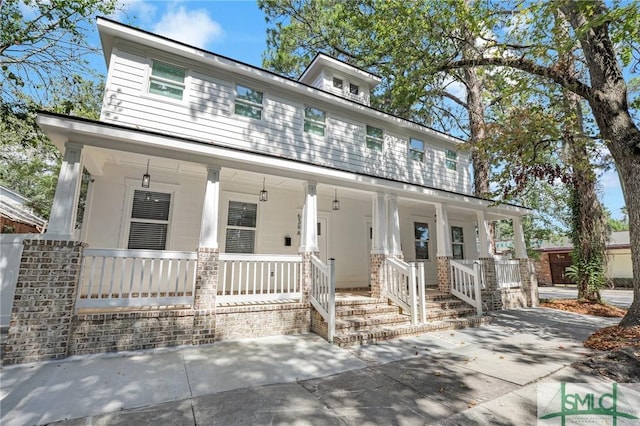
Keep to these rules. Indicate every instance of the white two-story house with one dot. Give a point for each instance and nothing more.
(265, 193)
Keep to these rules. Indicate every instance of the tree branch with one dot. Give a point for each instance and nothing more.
(570, 83)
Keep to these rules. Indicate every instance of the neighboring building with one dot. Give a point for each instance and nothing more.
(15, 215)
(556, 257)
(223, 191)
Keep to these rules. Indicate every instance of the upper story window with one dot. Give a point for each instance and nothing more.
(375, 138)
(241, 227)
(314, 121)
(149, 221)
(451, 160)
(421, 235)
(416, 149)
(167, 80)
(337, 83)
(457, 242)
(248, 102)
(354, 89)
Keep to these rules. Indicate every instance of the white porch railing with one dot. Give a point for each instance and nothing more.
(258, 277)
(469, 263)
(465, 284)
(508, 273)
(323, 292)
(405, 287)
(128, 278)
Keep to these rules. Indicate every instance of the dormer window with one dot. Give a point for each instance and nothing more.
(451, 160)
(314, 121)
(416, 149)
(248, 102)
(375, 138)
(337, 83)
(354, 89)
(167, 80)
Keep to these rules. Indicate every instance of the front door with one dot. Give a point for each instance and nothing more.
(558, 263)
(323, 232)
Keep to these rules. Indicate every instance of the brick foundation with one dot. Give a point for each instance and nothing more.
(44, 301)
(318, 325)
(443, 265)
(529, 282)
(259, 321)
(127, 331)
(377, 283)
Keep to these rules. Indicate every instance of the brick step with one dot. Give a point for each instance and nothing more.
(393, 332)
(365, 310)
(446, 304)
(359, 301)
(438, 314)
(350, 324)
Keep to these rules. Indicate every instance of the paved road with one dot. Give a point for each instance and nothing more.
(484, 375)
(622, 298)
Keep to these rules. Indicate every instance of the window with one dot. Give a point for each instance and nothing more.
(416, 149)
(241, 227)
(375, 138)
(451, 160)
(421, 232)
(337, 83)
(248, 102)
(167, 80)
(149, 220)
(314, 121)
(354, 89)
(457, 242)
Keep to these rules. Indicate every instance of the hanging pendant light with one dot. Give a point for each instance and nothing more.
(146, 178)
(336, 203)
(264, 196)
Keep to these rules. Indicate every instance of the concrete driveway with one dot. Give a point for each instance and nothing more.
(622, 298)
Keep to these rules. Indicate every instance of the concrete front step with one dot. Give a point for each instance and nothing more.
(393, 332)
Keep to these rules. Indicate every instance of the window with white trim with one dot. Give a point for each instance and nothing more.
(375, 138)
(354, 89)
(337, 83)
(167, 80)
(451, 160)
(421, 235)
(457, 242)
(416, 149)
(241, 227)
(149, 222)
(314, 121)
(248, 102)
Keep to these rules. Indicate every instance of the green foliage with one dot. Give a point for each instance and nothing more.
(594, 271)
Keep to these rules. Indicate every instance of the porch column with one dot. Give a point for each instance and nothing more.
(519, 245)
(393, 226)
(491, 297)
(309, 237)
(378, 245)
(62, 220)
(444, 252)
(207, 266)
(210, 209)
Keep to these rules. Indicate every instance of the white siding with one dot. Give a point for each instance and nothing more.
(206, 114)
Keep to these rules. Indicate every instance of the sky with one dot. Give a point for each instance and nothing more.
(237, 29)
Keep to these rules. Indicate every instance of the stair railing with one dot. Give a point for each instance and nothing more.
(323, 292)
(405, 287)
(465, 284)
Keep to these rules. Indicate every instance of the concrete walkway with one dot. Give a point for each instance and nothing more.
(479, 375)
(622, 298)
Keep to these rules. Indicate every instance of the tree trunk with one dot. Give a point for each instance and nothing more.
(608, 102)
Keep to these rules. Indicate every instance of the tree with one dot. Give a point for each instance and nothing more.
(44, 50)
(594, 30)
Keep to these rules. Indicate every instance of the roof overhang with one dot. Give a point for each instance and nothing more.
(321, 61)
(62, 129)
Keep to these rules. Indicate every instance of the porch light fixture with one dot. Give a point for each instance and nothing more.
(264, 196)
(146, 178)
(336, 203)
